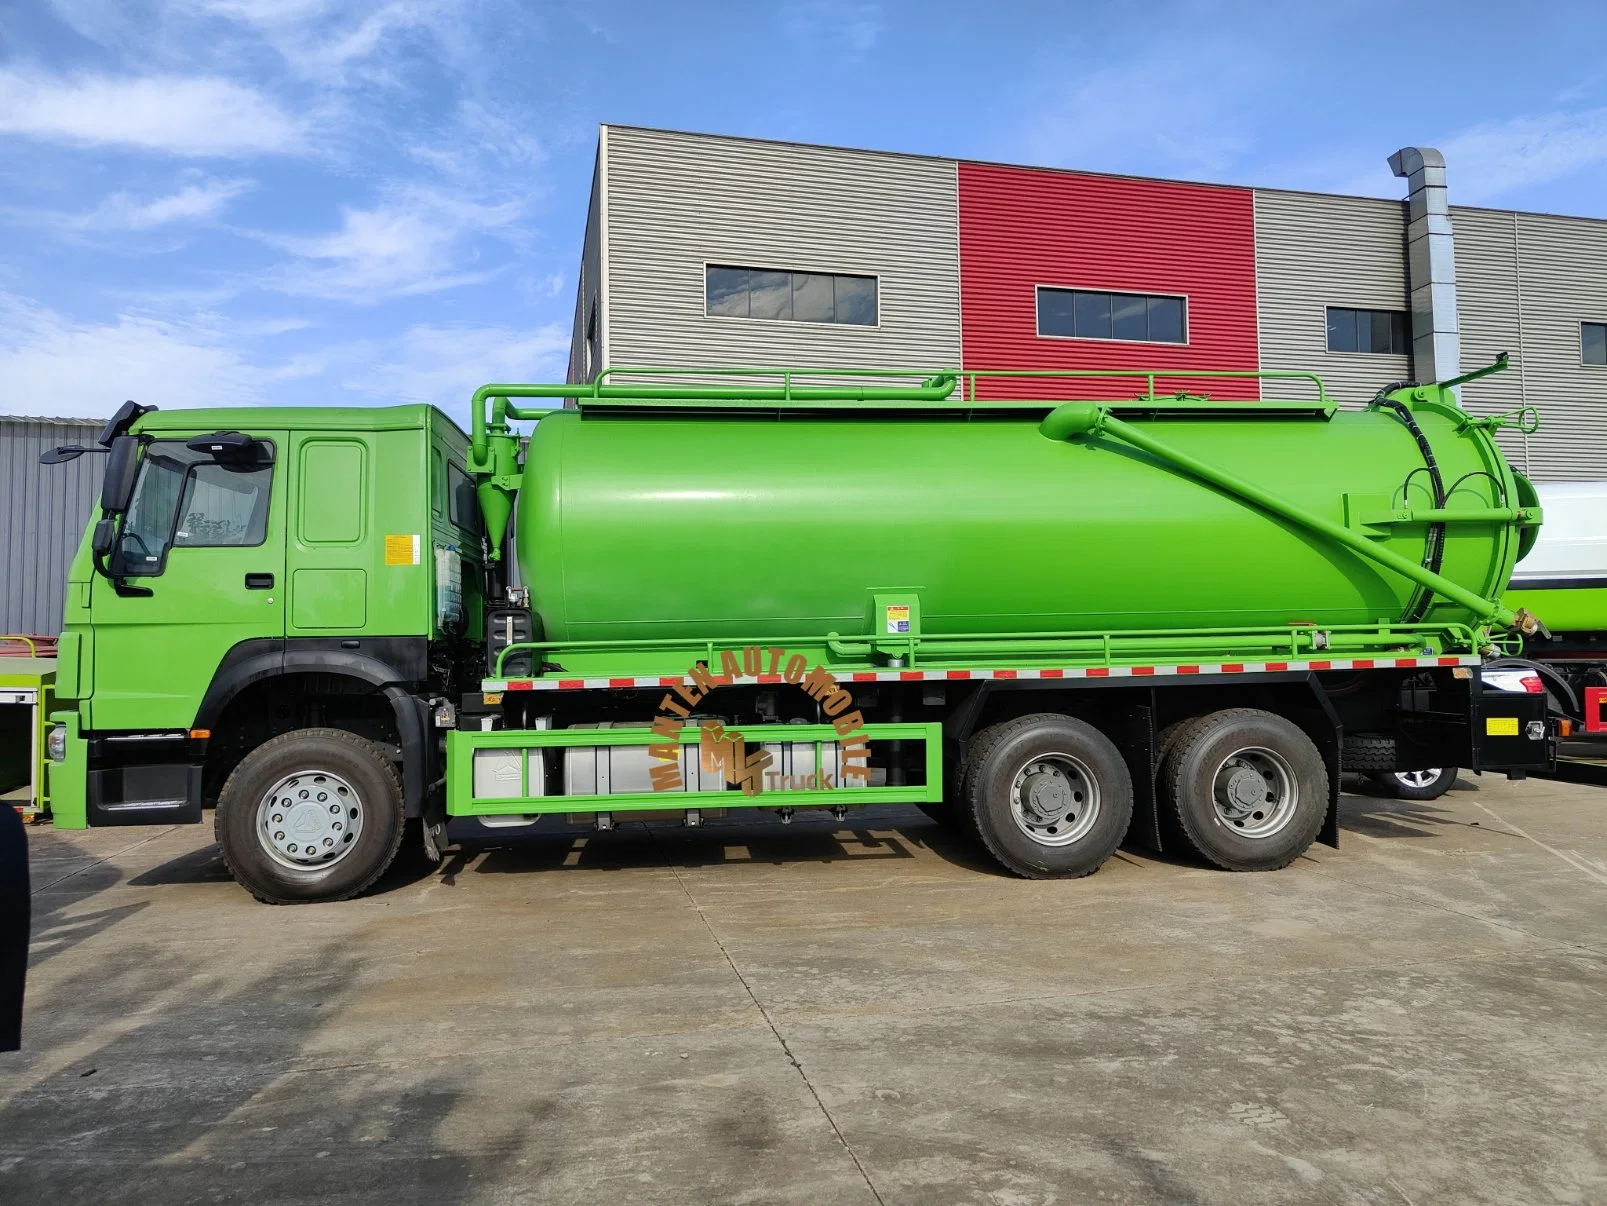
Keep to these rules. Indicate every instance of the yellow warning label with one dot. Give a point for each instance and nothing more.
(401, 550)
(898, 618)
(1501, 726)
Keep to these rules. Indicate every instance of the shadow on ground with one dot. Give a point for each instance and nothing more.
(189, 1083)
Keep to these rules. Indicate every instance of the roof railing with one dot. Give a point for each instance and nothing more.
(492, 405)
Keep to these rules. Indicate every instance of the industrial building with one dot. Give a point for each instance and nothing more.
(707, 250)
(43, 509)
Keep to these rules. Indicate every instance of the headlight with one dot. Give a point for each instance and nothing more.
(56, 743)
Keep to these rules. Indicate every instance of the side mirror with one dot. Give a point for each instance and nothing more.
(121, 465)
(63, 453)
(104, 537)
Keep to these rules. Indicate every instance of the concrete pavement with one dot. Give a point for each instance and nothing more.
(817, 1014)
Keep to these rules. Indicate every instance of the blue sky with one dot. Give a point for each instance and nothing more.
(364, 201)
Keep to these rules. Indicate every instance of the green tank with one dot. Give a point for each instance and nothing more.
(637, 523)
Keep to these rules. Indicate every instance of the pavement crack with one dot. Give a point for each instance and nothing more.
(1492, 922)
(786, 1048)
(1572, 860)
(122, 850)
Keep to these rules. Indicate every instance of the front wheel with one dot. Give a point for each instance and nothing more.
(311, 815)
(1049, 796)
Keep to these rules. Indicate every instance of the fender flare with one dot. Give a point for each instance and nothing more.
(252, 662)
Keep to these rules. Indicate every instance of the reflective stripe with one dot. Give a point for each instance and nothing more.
(1059, 672)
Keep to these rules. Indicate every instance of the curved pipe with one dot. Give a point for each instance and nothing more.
(1082, 418)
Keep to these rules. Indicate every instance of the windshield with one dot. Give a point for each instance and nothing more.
(184, 499)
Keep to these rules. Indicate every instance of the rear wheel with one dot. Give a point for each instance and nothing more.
(1248, 789)
(1049, 796)
(311, 815)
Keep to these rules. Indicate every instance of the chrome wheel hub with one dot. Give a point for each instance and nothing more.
(1419, 778)
(310, 819)
(1254, 792)
(1054, 800)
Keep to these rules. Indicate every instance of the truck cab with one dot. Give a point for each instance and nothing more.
(255, 573)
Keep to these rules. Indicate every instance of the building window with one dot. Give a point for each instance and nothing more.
(782, 296)
(1593, 342)
(1382, 331)
(1132, 317)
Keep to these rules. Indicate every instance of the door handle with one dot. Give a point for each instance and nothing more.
(259, 581)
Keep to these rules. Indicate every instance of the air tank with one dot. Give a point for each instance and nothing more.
(652, 525)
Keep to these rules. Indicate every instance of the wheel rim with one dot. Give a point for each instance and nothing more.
(1054, 799)
(309, 820)
(1255, 792)
(1419, 778)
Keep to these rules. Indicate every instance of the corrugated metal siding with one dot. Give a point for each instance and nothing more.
(1488, 307)
(588, 289)
(1021, 228)
(43, 510)
(1562, 271)
(676, 202)
(1316, 251)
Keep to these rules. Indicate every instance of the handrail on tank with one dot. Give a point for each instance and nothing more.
(1151, 376)
(934, 387)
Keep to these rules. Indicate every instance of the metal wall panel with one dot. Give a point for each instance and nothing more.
(585, 343)
(1489, 306)
(677, 202)
(1021, 228)
(1562, 281)
(1314, 251)
(43, 511)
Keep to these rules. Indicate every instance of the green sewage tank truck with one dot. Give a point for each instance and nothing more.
(1054, 624)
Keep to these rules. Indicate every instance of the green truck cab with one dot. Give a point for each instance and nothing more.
(269, 571)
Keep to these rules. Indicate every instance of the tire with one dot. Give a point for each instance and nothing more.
(1060, 821)
(1210, 784)
(1365, 753)
(1428, 784)
(312, 852)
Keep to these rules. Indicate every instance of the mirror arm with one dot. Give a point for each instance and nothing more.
(118, 581)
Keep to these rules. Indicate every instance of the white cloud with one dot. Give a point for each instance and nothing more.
(479, 137)
(340, 41)
(413, 243)
(1104, 123)
(444, 365)
(179, 115)
(1491, 159)
(53, 365)
(193, 203)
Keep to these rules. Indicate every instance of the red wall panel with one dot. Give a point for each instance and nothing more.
(1021, 228)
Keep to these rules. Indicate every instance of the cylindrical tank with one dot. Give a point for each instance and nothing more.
(651, 526)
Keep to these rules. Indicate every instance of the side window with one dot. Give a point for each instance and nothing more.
(437, 482)
(465, 507)
(334, 492)
(184, 499)
(224, 508)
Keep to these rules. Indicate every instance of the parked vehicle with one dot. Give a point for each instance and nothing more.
(1056, 625)
(1430, 783)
